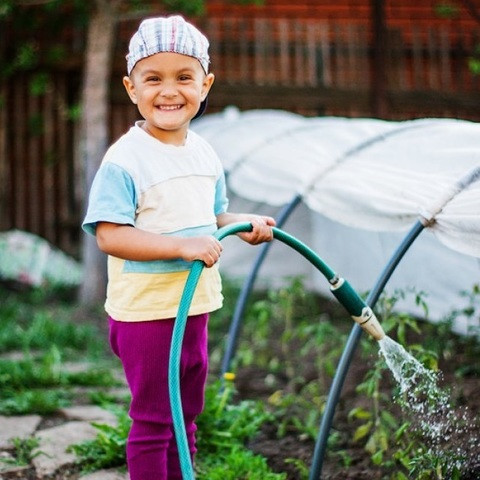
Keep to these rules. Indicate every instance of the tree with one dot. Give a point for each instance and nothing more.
(94, 131)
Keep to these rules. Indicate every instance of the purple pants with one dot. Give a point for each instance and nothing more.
(144, 349)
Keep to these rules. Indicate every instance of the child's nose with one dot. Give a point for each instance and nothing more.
(169, 89)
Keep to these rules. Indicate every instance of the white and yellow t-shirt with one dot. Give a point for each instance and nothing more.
(164, 189)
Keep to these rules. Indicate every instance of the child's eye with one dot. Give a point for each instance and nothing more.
(153, 79)
(184, 78)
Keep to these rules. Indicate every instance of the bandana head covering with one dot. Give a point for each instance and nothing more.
(167, 34)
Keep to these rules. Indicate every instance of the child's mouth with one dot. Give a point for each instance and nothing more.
(169, 108)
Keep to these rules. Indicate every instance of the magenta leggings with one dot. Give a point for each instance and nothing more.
(144, 349)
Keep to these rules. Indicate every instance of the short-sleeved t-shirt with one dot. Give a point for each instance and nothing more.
(164, 189)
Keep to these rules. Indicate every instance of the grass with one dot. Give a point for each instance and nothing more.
(107, 450)
(24, 450)
(31, 321)
(38, 342)
(25, 401)
(223, 429)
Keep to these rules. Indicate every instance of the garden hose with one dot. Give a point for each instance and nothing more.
(343, 291)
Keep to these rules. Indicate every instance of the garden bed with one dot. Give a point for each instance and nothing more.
(289, 443)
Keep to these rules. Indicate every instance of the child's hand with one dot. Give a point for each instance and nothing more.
(262, 230)
(206, 248)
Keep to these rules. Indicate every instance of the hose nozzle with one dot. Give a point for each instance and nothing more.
(356, 307)
(369, 322)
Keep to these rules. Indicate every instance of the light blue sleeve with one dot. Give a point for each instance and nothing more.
(112, 198)
(221, 200)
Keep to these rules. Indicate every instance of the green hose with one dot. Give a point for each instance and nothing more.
(176, 350)
(342, 290)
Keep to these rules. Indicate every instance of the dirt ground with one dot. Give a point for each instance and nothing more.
(465, 393)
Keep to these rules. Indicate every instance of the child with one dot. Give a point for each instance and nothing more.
(156, 200)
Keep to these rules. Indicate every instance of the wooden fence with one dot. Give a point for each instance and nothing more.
(310, 67)
(332, 64)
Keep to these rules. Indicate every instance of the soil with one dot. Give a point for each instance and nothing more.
(465, 395)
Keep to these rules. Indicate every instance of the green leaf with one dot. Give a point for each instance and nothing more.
(389, 419)
(377, 458)
(188, 7)
(359, 413)
(38, 84)
(399, 433)
(362, 431)
(474, 65)
(446, 10)
(6, 8)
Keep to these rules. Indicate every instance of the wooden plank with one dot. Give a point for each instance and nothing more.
(59, 138)
(338, 57)
(50, 156)
(231, 60)
(213, 32)
(31, 167)
(397, 68)
(270, 63)
(350, 54)
(311, 62)
(9, 158)
(299, 61)
(37, 160)
(19, 158)
(476, 42)
(59, 198)
(244, 55)
(68, 168)
(445, 61)
(4, 180)
(326, 64)
(417, 59)
(122, 117)
(260, 51)
(284, 54)
(464, 74)
(431, 56)
(364, 52)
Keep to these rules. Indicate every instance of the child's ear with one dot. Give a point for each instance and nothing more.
(130, 88)
(207, 85)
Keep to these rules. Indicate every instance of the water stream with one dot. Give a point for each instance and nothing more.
(450, 433)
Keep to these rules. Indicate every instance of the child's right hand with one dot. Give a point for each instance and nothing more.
(206, 248)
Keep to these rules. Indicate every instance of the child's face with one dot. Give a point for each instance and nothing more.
(168, 89)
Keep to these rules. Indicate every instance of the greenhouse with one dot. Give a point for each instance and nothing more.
(362, 183)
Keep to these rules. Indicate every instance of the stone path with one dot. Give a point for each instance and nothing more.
(53, 458)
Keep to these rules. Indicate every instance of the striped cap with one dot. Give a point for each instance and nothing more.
(167, 34)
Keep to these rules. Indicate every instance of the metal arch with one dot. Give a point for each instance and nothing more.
(247, 286)
(348, 351)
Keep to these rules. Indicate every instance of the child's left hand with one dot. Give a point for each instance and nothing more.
(262, 230)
